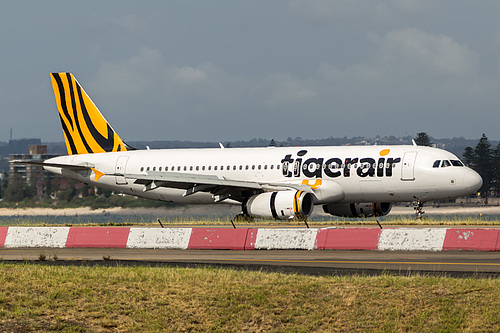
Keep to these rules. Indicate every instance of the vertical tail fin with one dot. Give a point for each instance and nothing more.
(85, 130)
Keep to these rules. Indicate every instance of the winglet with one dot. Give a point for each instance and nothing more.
(85, 129)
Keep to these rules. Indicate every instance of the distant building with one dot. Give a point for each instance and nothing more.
(33, 175)
(20, 146)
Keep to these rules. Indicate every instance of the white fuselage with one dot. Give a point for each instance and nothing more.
(336, 174)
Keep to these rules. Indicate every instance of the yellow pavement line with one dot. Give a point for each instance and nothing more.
(361, 262)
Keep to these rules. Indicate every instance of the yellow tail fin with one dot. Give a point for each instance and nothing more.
(85, 129)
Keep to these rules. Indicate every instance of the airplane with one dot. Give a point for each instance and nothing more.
(279, 183)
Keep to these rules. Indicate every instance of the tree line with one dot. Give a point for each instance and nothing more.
(486, 161)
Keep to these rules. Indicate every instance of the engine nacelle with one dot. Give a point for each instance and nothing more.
(358, 209)
(281, 205)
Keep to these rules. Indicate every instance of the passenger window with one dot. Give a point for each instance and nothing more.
(142, 169)
(203, 168)
(259, 167)
(241, 167)
(191, 168)
(159, 169)
(272, 166)
(215, 168)
(209, 167)
(197, 168)
(253, 167)
(234, 167)
(179, 168)
(278, 167)
(436, 164)
(246, 167)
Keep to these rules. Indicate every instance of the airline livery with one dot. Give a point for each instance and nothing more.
(274, 182)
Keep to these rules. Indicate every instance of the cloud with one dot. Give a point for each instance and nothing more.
(409, 58)
(415, 50)
(109, 26)
(133, 76)
(410, 72)
(355, 11)
(283, 89)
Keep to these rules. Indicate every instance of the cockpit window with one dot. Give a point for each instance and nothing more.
(457, 163)
(445, 164)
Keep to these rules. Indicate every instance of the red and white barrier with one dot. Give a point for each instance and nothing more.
(398, 239)
(472, 239)
(286, 239)
(412, 239)
(3, 234)
(159, 238)
(348, 239)
(97, 237)
(36, 237)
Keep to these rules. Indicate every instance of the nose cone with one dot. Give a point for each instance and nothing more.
(472, 181)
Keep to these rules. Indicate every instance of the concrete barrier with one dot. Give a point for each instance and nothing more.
(156, 238)
(218, 239)
(348, 239)
(36, 237)
(399, 239)
(251, 238)
(285, 239)
(97, 237)
(472, 239)
(3, 234)
(412, 239)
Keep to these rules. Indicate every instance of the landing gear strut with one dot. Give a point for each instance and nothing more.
(419, 209)
(241, 218)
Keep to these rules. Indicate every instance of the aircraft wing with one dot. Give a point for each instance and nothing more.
(221, 187)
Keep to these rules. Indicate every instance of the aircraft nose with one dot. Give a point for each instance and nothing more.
(473, 181)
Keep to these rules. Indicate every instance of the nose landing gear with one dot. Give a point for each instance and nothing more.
(419, 209)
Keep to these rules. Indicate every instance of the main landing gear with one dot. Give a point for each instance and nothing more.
(419, 209)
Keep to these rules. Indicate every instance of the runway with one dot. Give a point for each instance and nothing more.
(448, 263)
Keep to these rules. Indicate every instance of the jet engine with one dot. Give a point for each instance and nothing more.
(281, 205)
(358, 209)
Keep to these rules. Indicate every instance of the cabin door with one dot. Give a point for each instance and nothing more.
(408, 166)
(120, 166)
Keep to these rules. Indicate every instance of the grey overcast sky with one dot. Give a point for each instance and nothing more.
(237, 70)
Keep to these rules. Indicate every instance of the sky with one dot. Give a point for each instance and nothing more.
(237, 70)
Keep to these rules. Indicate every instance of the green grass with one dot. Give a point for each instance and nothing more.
(152, 299)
